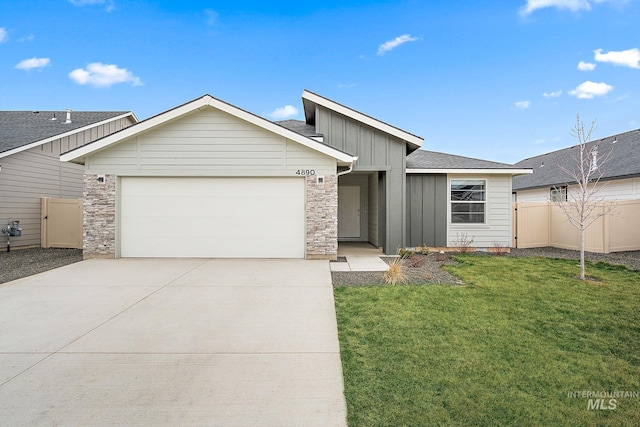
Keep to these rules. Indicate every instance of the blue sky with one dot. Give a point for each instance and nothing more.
(499, 80)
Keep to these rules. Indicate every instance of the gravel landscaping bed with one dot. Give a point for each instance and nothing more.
(21, 263)
(427, 271)
(431, 272)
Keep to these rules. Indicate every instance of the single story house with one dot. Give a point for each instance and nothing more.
(539, 222)
(620, 172)
(208, 179)
(30, 167)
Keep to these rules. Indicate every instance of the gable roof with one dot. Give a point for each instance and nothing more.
(22, 130)
(78, 155)
(423, 161)
(300, 127)
(310, 100)
(623, 162)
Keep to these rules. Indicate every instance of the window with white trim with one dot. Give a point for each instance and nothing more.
(559, 194)
(468, 201)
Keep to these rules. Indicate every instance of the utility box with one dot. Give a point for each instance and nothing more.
(13, 229)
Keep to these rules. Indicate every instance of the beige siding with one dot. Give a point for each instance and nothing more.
(209, 143)
(498, 223)
(30, 175)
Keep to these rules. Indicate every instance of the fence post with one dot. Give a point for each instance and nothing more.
(44, 223)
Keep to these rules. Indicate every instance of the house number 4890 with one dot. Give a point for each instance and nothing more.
(305, 172)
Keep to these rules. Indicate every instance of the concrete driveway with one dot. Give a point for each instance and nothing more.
(172, 342)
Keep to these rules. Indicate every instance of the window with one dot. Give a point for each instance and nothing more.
(468, 200)
(559, 194)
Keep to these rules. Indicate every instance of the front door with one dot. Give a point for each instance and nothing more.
(348, 211)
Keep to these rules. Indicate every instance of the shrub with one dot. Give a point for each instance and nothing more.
(424, 249)
(405, 253)
(500, 248)
(463, 242)
(396, 272)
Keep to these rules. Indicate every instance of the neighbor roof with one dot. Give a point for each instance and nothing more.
(423, 161)
(78, 155)
(310, 100)
(623, 162)
(21, 130)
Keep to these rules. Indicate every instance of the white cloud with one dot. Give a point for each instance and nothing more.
(284, 112)
(523, 105)
(628, 58)
(80, 3)
(3, 34)
(586, 66)
(30, 64)
(392, 44)
(572, 5)
(554, 94)
(588, 90)
(103, 75)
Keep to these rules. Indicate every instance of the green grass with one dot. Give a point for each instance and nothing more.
(504, 350)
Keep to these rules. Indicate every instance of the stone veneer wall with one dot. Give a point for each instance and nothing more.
(99, 225)
(322, 218)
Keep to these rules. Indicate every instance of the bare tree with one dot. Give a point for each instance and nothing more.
(583, 204)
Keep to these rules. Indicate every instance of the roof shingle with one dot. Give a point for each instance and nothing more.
(424, 159)
(624, 161)
(20, 128)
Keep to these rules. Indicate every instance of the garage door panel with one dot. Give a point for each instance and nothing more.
(212, 217)
(232, 247)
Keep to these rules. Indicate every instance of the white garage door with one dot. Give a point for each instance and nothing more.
(212, 217)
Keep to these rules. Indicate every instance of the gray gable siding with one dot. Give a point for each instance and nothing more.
(376, 151)
(32, 174)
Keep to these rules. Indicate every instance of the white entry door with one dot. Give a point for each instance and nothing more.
(212, 217)
(348, 211)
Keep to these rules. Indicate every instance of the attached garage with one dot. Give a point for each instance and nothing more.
(209, 180)
(212, 217)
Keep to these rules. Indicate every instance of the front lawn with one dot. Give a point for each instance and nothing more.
(517, 346)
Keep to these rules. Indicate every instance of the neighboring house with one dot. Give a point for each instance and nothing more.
(620, 172)
(208, 179)
(541, 223)
(30, 167)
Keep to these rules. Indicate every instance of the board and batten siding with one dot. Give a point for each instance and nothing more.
(28, 176)
(427, 210)
(376, 151)
(498, 214)
(209, 143)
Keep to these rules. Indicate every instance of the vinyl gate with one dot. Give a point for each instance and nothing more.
(61, 223)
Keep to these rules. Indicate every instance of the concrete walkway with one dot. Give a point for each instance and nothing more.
(360, 257)
(172, 342)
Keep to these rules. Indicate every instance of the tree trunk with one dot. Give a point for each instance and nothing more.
(582, 275)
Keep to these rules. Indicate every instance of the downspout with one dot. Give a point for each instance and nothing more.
(349, 170)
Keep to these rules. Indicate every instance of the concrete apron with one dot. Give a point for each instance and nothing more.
(172, 342)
